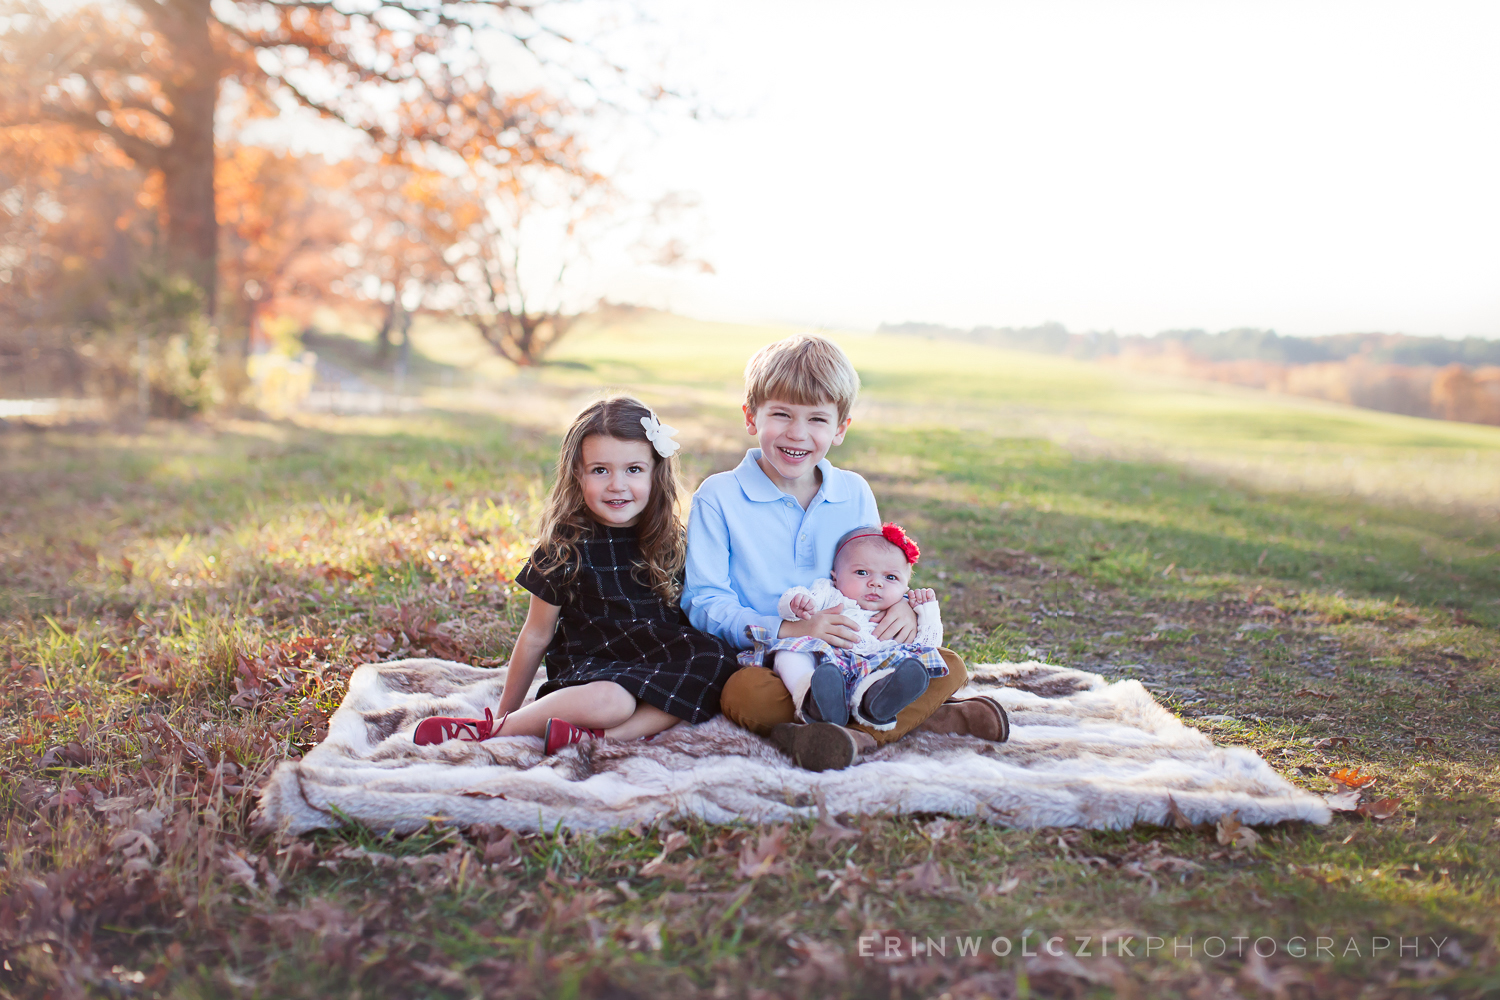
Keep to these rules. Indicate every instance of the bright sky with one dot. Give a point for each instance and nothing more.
(1310, 167)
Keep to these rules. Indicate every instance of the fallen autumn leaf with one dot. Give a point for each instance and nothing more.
(1232, 833)
(1380, 809)
(1350, 777)
(1346, 801)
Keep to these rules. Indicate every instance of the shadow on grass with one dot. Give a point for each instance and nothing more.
(192, 478)
(1147, 526)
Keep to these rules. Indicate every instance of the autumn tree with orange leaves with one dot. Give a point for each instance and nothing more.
(497, 247)
(404, 219)
(284, 219)
(510, 259)
(1461, 394)
(74, 220)
(148, 78)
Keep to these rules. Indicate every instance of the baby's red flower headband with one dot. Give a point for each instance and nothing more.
(891, 532)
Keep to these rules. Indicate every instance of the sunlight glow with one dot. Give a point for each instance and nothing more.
(1314, 168)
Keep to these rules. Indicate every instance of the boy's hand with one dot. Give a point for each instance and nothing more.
(802, 606)
(830, 626)
(897, 623)
(921, 596)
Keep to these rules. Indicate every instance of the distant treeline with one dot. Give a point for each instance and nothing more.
(1419, 376)
(1245, 344)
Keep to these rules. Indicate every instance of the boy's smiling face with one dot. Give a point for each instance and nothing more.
(794, 438)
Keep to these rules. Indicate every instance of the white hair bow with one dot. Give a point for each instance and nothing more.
(660, 436)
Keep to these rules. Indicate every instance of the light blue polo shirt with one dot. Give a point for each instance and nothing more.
(748, 543)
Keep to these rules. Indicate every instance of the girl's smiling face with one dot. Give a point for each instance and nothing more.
(615, 476)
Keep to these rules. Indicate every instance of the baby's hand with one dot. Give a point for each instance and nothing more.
(921, 596)
(802, 606)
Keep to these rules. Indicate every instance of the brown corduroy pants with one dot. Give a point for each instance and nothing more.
(756, 699)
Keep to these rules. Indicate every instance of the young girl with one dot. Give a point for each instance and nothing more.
(622, 660)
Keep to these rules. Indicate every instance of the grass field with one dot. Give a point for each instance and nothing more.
(182, 606)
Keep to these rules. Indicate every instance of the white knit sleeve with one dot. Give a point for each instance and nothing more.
(825, 595)
(929, 625)
(784, 606)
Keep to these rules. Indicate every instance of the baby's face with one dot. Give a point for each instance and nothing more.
(872, 572)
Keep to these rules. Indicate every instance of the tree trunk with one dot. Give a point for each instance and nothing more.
(187, 165)
(383, 335)
(192, 226)
(517, 336)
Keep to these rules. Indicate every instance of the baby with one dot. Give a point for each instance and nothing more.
(872, 680)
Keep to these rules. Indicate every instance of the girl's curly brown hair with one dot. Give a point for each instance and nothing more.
(566, 518)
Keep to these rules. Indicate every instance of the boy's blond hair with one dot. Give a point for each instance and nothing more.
(805, 369)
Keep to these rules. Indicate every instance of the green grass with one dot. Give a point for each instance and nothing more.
(182, 606)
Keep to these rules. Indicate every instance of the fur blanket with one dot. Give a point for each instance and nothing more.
(1082, 752)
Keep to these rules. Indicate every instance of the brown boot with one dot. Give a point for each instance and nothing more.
(982, 717)
(820, 746)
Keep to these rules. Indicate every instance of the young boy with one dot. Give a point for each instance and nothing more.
(772, 523)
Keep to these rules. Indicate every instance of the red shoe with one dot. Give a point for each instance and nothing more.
(446, 727)
(564, 734)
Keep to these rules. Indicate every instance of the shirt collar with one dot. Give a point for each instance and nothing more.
(759, 488)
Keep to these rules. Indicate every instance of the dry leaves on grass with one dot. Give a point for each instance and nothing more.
(423, 635)
(983, 986)
(850, 880)
(1256, 972)
(1052, 973)
(759, 858)
(639, 936)
(336, 932)
(1426, 741)
(1146, 861)
(1310, 693)
(238, 867)
(497, 844)
(820, 961)
(1351, 777)
(1345, 801)
(829, 831)
(938, 829)
(1380, 809)
(439, 976)
(1179, 818)
(1004, 888)
(279, 670)
(1331, 741)
(1232, 833)
(659, 867)
(928, 878)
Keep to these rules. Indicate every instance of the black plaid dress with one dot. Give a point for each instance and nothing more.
(613, 627)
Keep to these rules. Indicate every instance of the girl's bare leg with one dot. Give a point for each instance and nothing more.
(648, 720)
(597, 705)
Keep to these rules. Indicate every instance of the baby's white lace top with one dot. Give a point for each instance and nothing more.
(825, 595)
